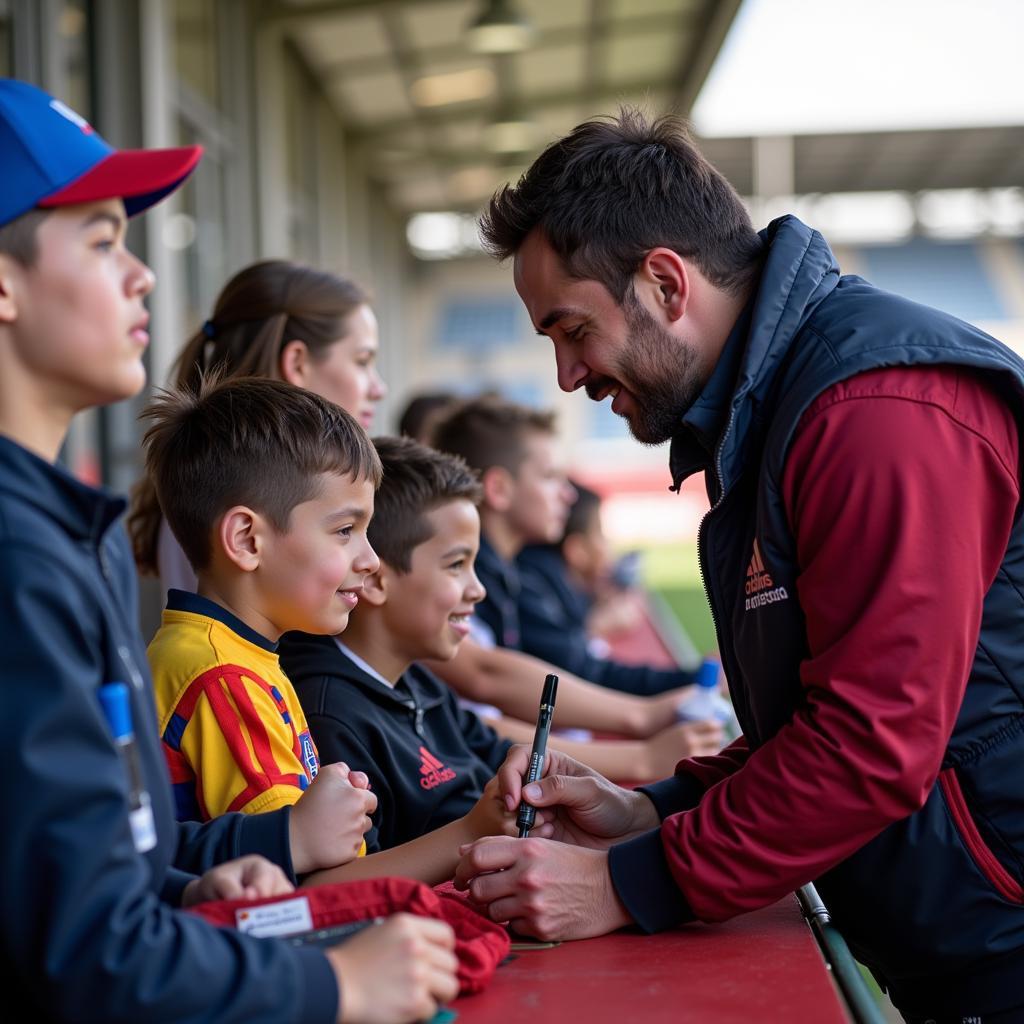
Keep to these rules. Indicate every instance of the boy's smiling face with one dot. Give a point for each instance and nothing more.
(310, 576)
(427, 609)
(79, 320)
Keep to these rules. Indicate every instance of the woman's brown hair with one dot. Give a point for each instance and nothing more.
(259, 311)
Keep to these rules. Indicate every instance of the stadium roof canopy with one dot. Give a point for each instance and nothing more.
(910, 161)
(440, 126)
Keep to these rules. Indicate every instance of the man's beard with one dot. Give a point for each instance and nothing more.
(661, 373)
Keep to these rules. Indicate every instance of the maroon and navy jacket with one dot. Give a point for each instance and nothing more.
(864, 561)
(428, 759)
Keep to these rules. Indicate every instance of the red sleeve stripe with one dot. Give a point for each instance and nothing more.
(275, 696)
(188, 794)
(187, 703)
(177, 766)
(231, 727)
(213, 683)
(251, 792)
(255, 725)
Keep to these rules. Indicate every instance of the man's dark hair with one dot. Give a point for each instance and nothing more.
(246, 441)
(416, 480)
(18, 237)
(613, 189)
(490, 431)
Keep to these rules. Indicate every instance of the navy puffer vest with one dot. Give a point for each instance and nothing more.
(913, 903)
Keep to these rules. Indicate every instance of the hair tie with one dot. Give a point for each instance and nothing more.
(210, 329)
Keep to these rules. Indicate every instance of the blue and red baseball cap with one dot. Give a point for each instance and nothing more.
(50, 156)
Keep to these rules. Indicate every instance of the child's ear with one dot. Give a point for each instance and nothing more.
(240, 536)
(499, 486)
(375, 587)
(294, 363)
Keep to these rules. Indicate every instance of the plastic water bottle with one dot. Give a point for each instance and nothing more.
(705, 703)
(117, 710)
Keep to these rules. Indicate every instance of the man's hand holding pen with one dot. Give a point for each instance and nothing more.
(558, 887)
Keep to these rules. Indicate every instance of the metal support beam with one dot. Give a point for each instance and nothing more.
(695, 63)
(838, 958)
(473, 111)
(275, 12)
(599, 26)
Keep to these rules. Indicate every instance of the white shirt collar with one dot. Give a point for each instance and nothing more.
(364, 665)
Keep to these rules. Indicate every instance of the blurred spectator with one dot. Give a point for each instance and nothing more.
(422, 412)
(596, 594)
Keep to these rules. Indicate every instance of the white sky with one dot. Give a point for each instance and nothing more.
(797, 66)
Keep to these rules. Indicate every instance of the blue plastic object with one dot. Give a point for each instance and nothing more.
(117, 709)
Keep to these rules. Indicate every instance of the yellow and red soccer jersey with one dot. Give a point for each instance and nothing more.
(233, 732)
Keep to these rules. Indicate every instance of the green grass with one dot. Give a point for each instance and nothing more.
(672, 571)
(691, 609)
(670, 566)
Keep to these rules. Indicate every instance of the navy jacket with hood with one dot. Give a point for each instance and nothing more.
(88, 926)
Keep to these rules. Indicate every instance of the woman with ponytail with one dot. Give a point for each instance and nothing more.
(272, 319)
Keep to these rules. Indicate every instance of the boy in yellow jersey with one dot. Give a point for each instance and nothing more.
(269, 490)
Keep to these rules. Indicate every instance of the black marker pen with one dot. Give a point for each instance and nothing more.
(527, 813)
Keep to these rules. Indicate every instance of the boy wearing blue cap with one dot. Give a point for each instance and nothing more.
(93, 866)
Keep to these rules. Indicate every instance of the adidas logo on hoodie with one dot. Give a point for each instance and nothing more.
(433, 773)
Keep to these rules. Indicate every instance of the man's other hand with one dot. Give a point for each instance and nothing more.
(542, 888)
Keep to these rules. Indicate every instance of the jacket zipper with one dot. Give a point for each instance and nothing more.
(138, 684)
(717, 470)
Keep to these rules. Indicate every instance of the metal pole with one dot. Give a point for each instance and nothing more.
(860, 1002)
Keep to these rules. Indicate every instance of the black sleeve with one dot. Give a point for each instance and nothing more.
(642, 879)
(677, 793)
(480, 737)
(338, 741)
(639, 868)
(173, 888)
(83, 928)
(201, 846)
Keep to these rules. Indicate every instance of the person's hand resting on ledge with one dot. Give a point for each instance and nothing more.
(246, 878)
